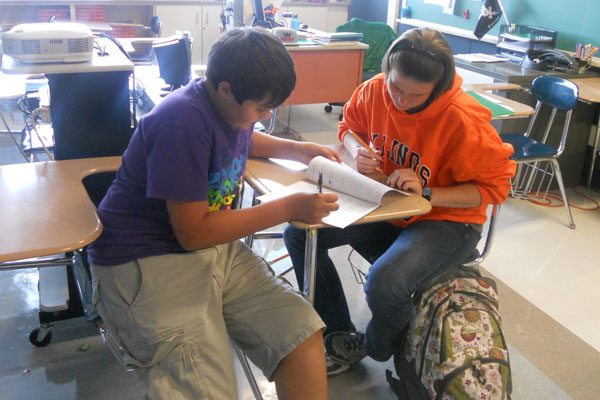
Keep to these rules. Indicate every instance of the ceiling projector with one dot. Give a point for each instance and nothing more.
(49, 42)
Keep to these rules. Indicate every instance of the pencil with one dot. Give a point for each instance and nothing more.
(362, 142)
(320, 182)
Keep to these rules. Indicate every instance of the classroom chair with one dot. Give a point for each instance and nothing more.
(378, 36)
(537, 160)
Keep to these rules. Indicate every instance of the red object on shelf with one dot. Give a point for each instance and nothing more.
(121, 31)
(89, 13)
(61, 14)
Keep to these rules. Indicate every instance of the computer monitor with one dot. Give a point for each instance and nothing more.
(259, 15)
(174, 56)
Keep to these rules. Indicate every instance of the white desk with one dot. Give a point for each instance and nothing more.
(113, 61)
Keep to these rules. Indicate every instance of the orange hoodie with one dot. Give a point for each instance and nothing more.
(448, 143)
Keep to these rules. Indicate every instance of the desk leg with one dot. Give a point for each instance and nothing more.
(310, 261)
(595, 149)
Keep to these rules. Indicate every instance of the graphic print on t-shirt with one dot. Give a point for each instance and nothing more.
(222, 185)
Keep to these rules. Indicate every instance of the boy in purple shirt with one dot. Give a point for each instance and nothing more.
(171, 280)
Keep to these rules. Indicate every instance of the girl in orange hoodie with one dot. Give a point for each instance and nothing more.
(431, 139)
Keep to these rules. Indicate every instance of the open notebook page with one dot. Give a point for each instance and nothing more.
(358, 195)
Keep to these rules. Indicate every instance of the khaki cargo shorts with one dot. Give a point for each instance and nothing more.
(171, 316)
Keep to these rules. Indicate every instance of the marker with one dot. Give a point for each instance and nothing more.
(362, 143)
(320, 182)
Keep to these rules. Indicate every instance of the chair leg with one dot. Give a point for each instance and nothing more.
(248, 371)
(563, 193)
(594, 151)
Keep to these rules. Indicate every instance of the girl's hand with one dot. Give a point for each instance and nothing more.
(405, 179)
(366, 160)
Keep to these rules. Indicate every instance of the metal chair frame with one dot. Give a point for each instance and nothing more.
(537, 161)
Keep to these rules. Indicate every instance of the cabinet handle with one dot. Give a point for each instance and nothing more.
(206, 19)
(197, 18)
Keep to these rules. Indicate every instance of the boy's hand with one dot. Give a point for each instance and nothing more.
(312, 207)
(309, 150)
(405, 179)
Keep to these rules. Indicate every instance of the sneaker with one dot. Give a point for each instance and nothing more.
(346, 347)
(334, 368)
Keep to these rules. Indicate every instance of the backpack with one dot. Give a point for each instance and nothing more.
(453, 347)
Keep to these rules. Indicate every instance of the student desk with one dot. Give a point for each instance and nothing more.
(520, 110)
(589, 91)
(326, 74)
(572, 160)
(89, 102)
(265, 177)
(46, 209)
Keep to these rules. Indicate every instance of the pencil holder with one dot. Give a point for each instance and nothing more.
(583, 64)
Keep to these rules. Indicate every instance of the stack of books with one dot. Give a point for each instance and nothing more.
(337, 38)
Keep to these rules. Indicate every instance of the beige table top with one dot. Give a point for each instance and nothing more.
(589, 89)
(46, 210)
(266, 176)
(45, 207)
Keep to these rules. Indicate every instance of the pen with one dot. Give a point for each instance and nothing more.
(362, 143)
(320, 182)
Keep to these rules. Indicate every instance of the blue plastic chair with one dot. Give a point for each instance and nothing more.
(537, 160)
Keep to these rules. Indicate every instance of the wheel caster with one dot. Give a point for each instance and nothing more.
(40, 337)
(341, 117)
(328, 108)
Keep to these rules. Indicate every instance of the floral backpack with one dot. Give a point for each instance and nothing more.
(454, 347)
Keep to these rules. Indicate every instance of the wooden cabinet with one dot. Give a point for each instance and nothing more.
(322, 17)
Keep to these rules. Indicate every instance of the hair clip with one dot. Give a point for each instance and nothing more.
(423, 51)
(404, 46)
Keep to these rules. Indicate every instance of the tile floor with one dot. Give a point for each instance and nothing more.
(546, 273)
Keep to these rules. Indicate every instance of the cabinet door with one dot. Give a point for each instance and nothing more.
(211, 29)
(183, 18)
(314, 16)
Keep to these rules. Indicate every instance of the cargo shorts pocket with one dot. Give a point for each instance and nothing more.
(140, 352)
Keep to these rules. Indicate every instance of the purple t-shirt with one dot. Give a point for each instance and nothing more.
(181, 151)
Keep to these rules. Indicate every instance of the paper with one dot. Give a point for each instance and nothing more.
(493, 104)
(358, 195)
(289, 164)
(480, 57)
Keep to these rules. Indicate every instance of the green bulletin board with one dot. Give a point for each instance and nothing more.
(575, 20)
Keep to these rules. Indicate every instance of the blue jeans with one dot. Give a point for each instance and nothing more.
(403, 260)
